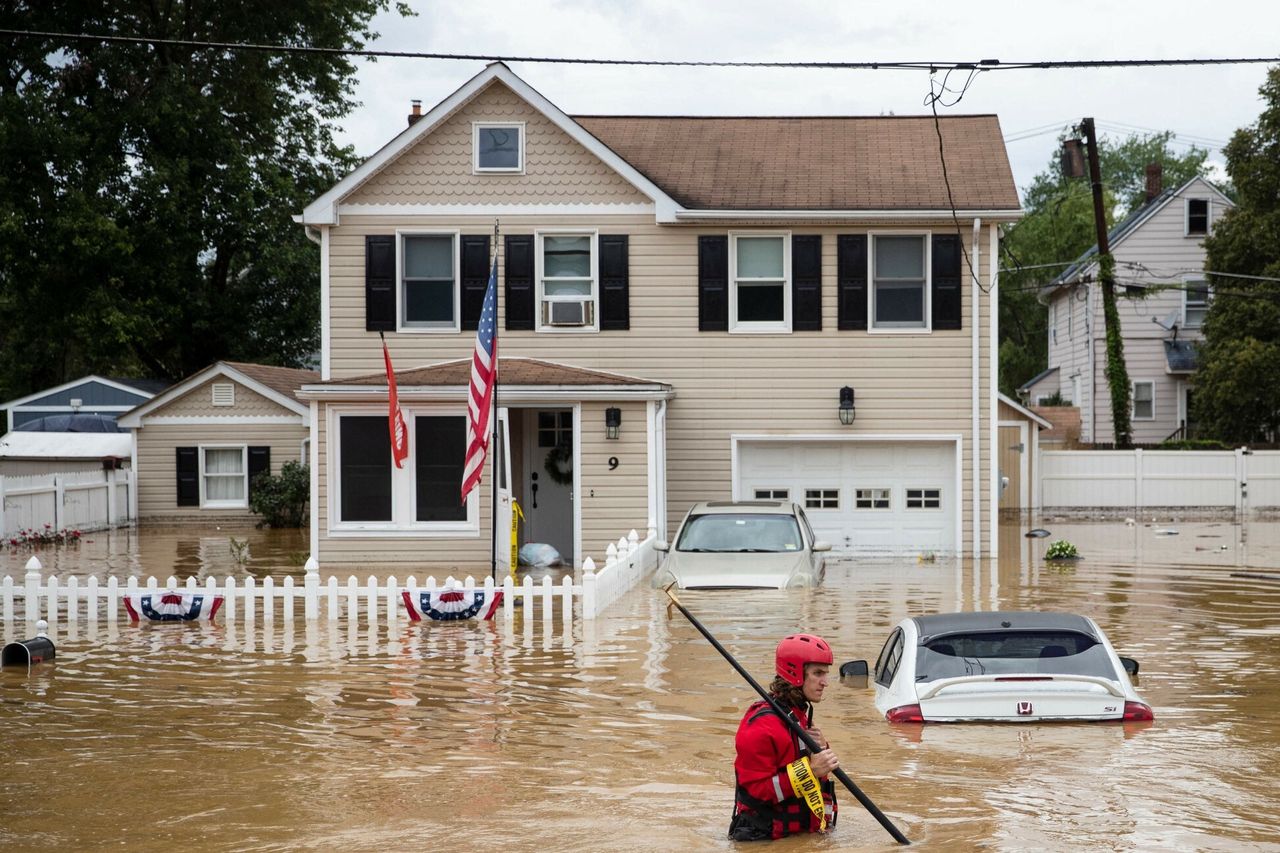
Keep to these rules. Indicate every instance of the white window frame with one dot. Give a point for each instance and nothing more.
(760, 327)
(476, 168)
(822, 498)
(927, 237)
(403, 483)
(207, 503)
(1133, 399)
(1186, 217)
(785, 497)
(906, 499)
(1187, 284)
(401, 322)
(873, 508)
(229, 388)
(538, 240)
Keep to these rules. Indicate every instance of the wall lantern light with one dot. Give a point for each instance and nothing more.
(846, 405)
(612, 422)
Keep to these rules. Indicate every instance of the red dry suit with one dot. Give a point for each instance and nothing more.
(765, 806)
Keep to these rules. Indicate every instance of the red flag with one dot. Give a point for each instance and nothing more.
(395, 417)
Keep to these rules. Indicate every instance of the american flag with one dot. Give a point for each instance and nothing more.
(484, 375)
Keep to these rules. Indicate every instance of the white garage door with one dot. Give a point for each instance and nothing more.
(862, 496)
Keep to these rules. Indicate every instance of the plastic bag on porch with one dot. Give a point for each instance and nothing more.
(539, 555)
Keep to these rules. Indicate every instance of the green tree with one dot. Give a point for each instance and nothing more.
(1237, 393)
(147, 192)
(1058, 227)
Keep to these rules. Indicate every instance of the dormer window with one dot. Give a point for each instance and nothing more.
(497, 147)
(1197, 217)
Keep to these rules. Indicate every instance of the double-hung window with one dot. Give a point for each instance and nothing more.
(760, 277)
(568, 280)
(899, 282)
(429, 281)
(224, 477)
(1144, 400)
(422, 497)
(497, 147)
(1195, 303)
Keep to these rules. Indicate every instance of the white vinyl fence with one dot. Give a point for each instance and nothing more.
(372, 601)
(1239, 480)
(77, 500)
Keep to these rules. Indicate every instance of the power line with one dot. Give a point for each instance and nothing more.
(929, 65)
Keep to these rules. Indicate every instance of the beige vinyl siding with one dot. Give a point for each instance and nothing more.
(156, 465)
(438, 169)
(198, 402)
(725, 383)
(613, 502)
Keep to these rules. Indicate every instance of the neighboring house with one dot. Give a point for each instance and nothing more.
(29, 453)
(86, 395)
(683, 305)
(197, 446)
(1159, 247)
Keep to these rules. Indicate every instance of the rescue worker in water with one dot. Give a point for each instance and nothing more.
(769, 801)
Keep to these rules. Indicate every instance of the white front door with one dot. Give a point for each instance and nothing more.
(861, 496)
(503, 485)
(548, 486)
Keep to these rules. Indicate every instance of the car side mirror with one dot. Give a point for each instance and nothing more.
(1130, 666)
(853, 668)
(821, 546)
(662, 545)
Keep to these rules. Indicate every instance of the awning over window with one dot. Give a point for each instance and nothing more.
(1180, 357)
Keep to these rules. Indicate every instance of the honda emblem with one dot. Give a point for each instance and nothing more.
(1024, 709)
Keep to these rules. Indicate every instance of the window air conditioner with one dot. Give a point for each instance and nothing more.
(567, 313)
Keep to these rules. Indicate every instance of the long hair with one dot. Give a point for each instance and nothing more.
(787, 693)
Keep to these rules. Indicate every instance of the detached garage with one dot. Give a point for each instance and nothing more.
(864, 494)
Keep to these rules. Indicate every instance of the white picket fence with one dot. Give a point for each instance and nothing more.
(373, 601)
(76, 500)
(1240, 479)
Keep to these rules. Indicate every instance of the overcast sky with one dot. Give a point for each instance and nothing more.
(1202, 104)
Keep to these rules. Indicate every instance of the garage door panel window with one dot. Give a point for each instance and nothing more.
(771, 494)
(821, 498)
(871, 499)
(924, 498)
(899, 292)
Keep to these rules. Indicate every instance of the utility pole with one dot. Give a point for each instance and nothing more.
(1117, 373)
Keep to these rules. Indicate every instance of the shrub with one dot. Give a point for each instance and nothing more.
(1061, 550)
(282, 500)
(1055, 399)
(33, 537)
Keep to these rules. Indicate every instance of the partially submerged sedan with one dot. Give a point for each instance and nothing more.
(1010, 666)
(743, 545)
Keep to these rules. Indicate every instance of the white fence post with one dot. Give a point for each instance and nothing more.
(113, 599)
(311, 589)
(1139, 498)
(59, 493)
(73, 598)
(588, 588)
(31, 603)
(112, 509)
(1242, 482)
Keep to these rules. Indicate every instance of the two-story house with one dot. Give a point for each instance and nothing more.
(689, 308)
(1159, 259)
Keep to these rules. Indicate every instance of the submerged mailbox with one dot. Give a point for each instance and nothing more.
(29, 652)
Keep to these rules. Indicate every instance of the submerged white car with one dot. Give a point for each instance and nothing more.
(743, 545)
(1004, 666)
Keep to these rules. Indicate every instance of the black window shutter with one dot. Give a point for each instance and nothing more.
(259, 461)
(806, 283)
(946, 281)
(188, 476)
(475, 278)
(518, 275)
(379, 283)
(713, 283)
(615, 283)
(851, 281)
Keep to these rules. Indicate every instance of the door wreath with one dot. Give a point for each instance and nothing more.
(559, 464)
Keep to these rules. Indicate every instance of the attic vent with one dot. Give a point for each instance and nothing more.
(224, 394)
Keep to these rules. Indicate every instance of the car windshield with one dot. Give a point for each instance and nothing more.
(739, 533)
(1047, 652)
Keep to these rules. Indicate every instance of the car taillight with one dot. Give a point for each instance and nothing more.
(906, 714)
(1136, 712)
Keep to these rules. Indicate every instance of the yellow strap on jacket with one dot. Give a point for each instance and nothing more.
(805, 784)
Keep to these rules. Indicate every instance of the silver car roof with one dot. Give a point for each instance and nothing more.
(732, 507)
(941, 624)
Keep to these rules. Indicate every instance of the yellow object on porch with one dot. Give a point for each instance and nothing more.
(517, 516)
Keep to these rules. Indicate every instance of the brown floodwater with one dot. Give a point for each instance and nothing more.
(619, 735)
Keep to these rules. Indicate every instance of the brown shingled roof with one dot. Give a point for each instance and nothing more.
(512, 371)
(284, 380)
(802, 163)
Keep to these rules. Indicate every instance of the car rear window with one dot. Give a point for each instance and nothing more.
(734, 533)
(998, 652)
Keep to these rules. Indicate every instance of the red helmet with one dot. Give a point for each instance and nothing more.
(797, 650)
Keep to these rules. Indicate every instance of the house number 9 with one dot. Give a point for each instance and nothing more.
(613, 462)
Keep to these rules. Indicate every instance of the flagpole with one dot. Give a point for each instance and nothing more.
(493, 416)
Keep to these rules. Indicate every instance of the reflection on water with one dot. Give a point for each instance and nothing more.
(620, 735)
